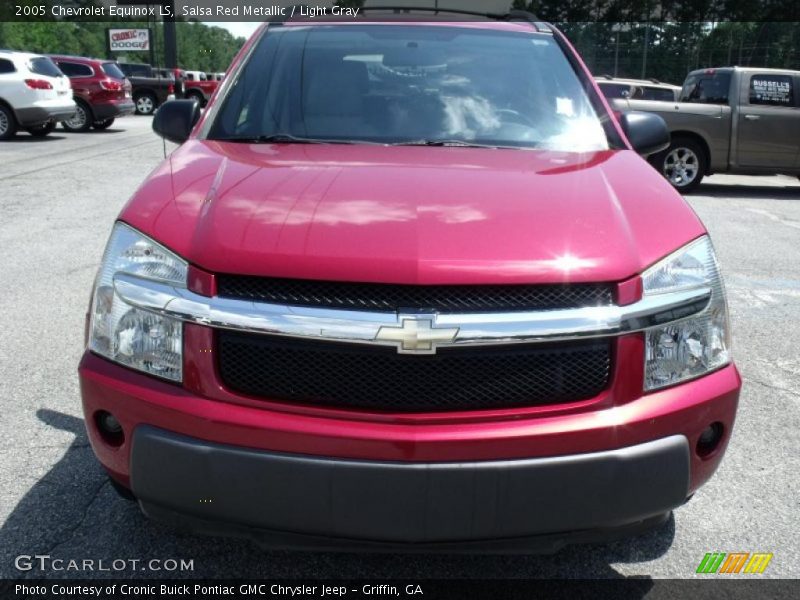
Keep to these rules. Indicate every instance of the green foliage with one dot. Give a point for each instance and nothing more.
(200, 47)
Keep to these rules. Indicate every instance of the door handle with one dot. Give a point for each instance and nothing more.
(752, 117)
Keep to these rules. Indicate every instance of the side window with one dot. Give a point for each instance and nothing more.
(615, 90)
(708, 87)
(190, 76)
(71, 69)
(6, 66)
(771, 90)
(661, 94)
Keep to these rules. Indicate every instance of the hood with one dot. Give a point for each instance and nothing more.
(410, 214)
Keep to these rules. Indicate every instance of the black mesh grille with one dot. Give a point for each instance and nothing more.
(381, 296)
(380, 379)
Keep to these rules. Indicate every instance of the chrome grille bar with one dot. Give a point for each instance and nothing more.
(380, 328)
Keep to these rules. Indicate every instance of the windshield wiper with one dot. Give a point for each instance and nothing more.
(273, 138)
(453, 143)
(288, 138)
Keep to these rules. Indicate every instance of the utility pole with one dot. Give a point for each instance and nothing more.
(170, 40)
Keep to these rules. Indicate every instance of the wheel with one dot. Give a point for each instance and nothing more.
(122, 491)
(103, 124)
(8, 124)
(82, 119)
(684, 164)
(42, 130)
(201, 101)
(145, 103)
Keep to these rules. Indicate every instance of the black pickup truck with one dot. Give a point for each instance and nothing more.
(149, 89)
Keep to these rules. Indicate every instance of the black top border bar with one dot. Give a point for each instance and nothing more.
(574, 11)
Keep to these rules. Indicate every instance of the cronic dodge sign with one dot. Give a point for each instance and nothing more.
(125, 40)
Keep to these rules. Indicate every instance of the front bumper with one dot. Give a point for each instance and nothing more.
(610, 462)
(408, 503)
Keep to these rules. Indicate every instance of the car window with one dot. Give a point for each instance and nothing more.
(133, 70)
(771, 90)
(656, 93)
(398, 84)
(190, 76)
(71, 69)
(112, 70)
(615, 90)
(711, 87)
(6, 66)
(202, 77)
(41, 65)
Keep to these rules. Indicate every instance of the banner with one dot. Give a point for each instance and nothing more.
(128, 40)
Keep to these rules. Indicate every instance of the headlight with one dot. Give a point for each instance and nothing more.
(696, 345)
(130, 336)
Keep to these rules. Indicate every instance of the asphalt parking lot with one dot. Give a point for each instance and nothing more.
(58, 198)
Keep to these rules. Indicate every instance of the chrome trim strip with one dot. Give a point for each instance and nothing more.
(364, 327)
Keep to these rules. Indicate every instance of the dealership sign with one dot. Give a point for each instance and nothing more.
(128, 40)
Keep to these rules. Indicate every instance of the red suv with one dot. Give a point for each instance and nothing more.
(409, 283)
(101, 91)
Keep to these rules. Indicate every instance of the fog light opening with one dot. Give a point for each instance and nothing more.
(110, 428)
(709, 439)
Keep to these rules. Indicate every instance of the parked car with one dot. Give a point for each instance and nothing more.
(100, 89)
(34, 94)
(743, 120)
(409, 285)
(643, 89)
(200, 86)
(149, 90)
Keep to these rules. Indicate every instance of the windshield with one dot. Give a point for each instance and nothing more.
(410, 84)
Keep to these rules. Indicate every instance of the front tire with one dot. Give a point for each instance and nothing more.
(8, 123)
(103, 124)
(145, 103)
(81, 121)
(683, 164)
(42, 130)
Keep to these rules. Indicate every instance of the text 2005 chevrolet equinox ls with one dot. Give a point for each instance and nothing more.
(409, 284)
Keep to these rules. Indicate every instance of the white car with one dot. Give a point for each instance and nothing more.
(34, 94)
(196, 76)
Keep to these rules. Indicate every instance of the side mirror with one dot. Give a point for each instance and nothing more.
(647, 132)
(175, 119)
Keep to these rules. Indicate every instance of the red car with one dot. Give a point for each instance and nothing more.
(101, 92)
(408, 284)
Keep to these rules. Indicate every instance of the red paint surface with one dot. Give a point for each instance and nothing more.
(410, 215)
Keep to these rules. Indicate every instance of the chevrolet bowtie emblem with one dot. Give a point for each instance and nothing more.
(416, 334)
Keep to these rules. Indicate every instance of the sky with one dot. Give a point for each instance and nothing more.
(238, 28)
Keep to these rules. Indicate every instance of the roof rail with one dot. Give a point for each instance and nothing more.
(512, 15)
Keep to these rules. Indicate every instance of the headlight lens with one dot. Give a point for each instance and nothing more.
(696, 345)
(130, 336)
